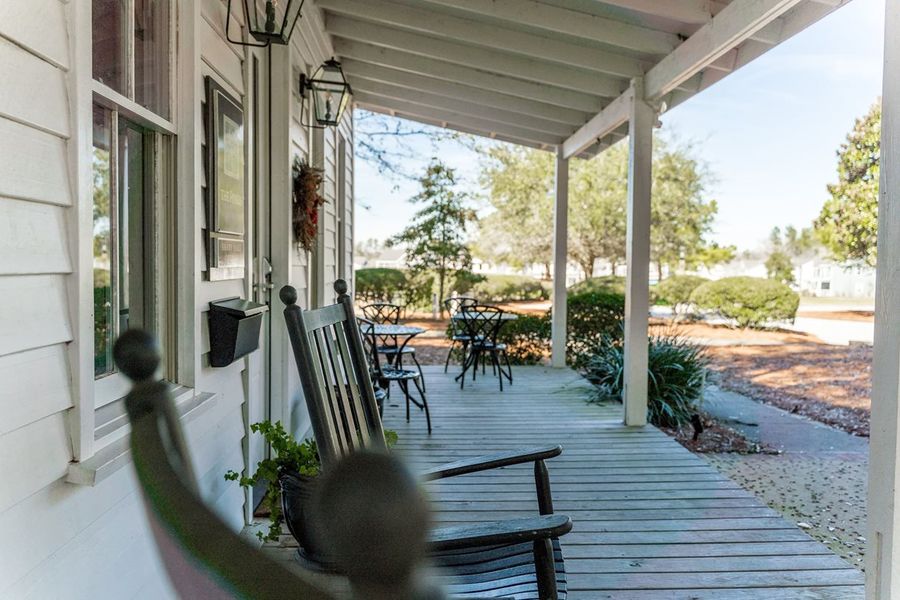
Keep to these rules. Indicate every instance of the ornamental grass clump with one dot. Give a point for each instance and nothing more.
(749, 301)
(676, 375)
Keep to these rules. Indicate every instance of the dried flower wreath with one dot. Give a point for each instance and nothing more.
(306, 202)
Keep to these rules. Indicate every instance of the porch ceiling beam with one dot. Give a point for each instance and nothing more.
(470, 31)
(450, 125)
(473, 109)
(486, 126)
(734, 24)
(605, 122)
(569, 22)
(529, 69)
(465, 75)
(687, 11)
(370, 72)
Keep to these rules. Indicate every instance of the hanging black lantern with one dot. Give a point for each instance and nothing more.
(267, 21)
(330, 94)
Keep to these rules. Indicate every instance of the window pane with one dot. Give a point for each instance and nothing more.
(151, 55)
(110, 43)
(103, 244)
(130, 226)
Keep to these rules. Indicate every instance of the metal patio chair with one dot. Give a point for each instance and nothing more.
(483, 324)
(386, 313)
(518, 558)
(457, 330)
(384, 375)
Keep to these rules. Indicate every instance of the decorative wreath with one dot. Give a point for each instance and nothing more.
(306, 202)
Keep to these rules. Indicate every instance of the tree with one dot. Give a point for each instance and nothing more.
(520, 187)
(780, 267)
(517, 231)
(680, 216)
(435, 239)
(848, 223)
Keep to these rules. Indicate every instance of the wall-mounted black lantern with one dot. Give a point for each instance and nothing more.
(268, 21)
(330, 94)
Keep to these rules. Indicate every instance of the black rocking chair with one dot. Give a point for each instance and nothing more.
(517, 558)
(205, 559)
(457, 328)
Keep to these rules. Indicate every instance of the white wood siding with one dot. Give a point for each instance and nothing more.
(57, 539)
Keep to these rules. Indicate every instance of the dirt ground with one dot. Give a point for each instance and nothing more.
(831, 384)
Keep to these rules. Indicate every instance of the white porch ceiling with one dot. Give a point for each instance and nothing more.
(541, 72)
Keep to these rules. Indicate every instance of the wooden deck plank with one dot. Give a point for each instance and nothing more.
(651, 519)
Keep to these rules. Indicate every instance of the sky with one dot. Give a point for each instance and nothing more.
(768, 132)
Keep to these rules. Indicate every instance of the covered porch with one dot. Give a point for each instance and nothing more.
(652, 520)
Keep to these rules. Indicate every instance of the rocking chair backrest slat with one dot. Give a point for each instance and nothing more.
(335, 376)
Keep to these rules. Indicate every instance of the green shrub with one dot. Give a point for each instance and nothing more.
(415, 293)
(676, 375)
(527, 339)
(750, 301)
(675, 291)
(373, 285)
(610, 284)
(464, 281)
(592, 319)
(509, 288)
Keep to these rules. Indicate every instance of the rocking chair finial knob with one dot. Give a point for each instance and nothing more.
(288, 295)
(340, 286)
(137, 355)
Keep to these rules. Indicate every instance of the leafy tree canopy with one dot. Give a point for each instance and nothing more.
(519, 183)
(848, 223)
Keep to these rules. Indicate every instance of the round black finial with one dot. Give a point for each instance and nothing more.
(137, 354)
(288, 295)
(340, 286)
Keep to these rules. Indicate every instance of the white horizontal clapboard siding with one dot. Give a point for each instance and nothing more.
(34, 91)
(46, 36)
(35, 385)
(32, 163)
(33, 238)
(33, 312)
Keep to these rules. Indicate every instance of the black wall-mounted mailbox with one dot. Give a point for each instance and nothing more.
(233, 329)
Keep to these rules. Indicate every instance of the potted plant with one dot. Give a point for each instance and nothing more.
(290, 477)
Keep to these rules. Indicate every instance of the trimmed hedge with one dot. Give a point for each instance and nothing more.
(593, 319)
(676, 290)
(373, 285)
(527, 339)
(750, 301)
(609, 284)
(508, 288)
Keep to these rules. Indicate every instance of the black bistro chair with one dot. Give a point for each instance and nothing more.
(483, 324)
(516, 558)
(385, 313)
(385, 375)
(457, 331)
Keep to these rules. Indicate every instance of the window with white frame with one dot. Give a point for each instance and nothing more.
(132, 43)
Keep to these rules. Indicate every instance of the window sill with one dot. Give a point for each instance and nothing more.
(116, 452)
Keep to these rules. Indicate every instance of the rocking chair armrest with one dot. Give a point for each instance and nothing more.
(511, 531)
(492, 461)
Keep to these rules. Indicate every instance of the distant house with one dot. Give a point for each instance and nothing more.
(387, 258)
(820, 276)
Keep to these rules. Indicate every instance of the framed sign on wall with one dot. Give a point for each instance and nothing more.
(226, 192)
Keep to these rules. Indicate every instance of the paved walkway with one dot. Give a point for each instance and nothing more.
(818, 480)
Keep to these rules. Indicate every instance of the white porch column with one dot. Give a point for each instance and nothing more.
(637, 255)
(883, 553)
(560, 257)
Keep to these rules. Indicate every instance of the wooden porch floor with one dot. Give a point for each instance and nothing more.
(652, 520)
